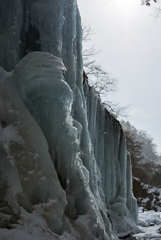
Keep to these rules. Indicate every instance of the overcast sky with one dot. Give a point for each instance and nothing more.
(129, 39)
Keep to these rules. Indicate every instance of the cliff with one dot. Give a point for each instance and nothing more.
(64, 168)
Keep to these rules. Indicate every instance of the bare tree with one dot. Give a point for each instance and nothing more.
(89, 52)
(97, 77)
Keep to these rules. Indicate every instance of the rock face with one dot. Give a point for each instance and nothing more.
(64, 170)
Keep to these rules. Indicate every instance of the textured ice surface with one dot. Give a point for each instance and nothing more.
(115, 165)
(25, 162)
(55, 143)
(49, 99)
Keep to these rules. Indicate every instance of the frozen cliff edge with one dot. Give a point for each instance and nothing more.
(64, 170)
(114, 163)
(39, 134)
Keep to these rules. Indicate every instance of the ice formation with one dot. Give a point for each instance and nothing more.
(64, 168)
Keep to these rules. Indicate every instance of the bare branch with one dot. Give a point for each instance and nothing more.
(97, 76)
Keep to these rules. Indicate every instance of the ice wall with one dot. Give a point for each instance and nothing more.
(114, 163)
(63, 159)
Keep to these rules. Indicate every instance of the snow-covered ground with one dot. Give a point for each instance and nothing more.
(150, 225)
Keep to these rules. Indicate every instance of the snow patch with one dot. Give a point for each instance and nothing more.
(150, 224)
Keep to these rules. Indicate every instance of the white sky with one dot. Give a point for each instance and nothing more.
(128, 36)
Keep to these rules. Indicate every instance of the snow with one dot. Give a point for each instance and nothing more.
(150, 224)
(32, 226)
(9, 134)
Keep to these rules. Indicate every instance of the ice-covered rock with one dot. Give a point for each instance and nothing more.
(40, 83)
(26, 166)
(114, 164)
(65, 154)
